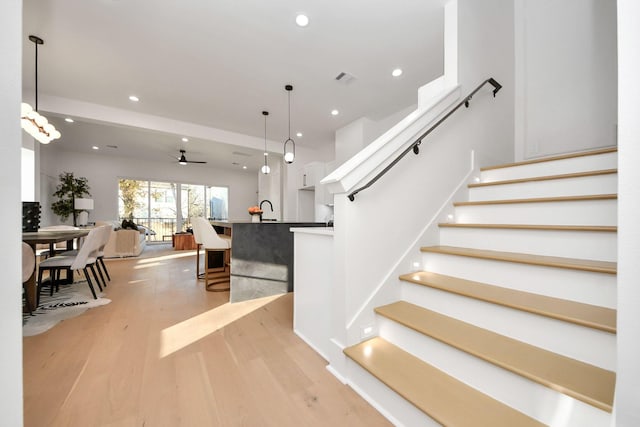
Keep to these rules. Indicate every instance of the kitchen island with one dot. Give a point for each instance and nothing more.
(261, 257)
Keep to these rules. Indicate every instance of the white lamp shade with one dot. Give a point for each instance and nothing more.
(83, 204)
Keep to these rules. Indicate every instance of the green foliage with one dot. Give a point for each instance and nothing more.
(130, 193)
(69, 189)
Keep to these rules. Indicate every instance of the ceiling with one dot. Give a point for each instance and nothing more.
(219, 63)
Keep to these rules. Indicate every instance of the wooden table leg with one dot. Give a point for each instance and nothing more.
(31, 286)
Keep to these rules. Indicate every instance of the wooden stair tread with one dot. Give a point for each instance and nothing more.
(552, 158)
(605, 228)
(591, 316)
(541, 260)
(442, 397)
(539, 200)
(582, 381)
(544, 178)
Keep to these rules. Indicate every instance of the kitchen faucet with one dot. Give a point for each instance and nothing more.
(265, 200)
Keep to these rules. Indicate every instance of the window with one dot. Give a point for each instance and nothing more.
(157, 204)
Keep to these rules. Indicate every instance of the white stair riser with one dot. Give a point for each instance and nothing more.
(574, 285)
(599, 184)
(555, 167)
(584, 212)
(526, 396)
(594, 245)
(577, 342)
(385, 400)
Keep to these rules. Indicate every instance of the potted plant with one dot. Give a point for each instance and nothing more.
(67, 191)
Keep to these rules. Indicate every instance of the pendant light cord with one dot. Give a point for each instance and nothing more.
(36, 75)
(289, 93)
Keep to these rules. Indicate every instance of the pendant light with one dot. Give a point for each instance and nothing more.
(265, 168)
(289, 145)
(31, 121)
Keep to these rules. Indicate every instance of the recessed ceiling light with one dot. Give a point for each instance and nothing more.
(302, 20)
(335, 112)
(244, 167)
(68, 120)
(299, 134)
(95, 147)
(134, 98)
(185, 139)
(397, 72)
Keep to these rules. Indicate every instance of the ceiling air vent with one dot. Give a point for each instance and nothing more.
(345, 77)
(239, 153)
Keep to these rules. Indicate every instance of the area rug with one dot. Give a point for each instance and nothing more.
(69, 301)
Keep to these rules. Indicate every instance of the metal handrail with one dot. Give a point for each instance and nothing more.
(415, 147)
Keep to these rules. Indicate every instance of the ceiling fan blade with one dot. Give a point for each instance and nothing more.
(183, 159)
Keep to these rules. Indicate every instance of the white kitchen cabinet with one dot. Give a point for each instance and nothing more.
(323, 196)
(310, 174)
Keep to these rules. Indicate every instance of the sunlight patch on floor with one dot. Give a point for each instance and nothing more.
(175, 255)
(149, 265)
(185, 333)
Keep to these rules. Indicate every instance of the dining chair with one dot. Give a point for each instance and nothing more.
(28, 268)
(105, 233)
(217, 255)
(53, 250)
(83, 260)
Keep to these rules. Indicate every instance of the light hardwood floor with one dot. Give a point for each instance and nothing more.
(167, 353)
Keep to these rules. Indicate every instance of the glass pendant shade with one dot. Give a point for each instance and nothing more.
(289, 152)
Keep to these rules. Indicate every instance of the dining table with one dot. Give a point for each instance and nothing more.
(50, 237)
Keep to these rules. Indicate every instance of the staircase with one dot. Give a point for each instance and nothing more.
(513, 321)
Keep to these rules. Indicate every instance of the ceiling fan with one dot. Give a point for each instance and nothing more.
(183, 160)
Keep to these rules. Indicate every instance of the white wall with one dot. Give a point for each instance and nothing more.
(486, 49)
(103, 172)
(566, 75)
(373, 232)
(352, 138)
(627, 409)
(10, 214)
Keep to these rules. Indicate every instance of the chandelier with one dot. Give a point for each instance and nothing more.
(33, 122)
